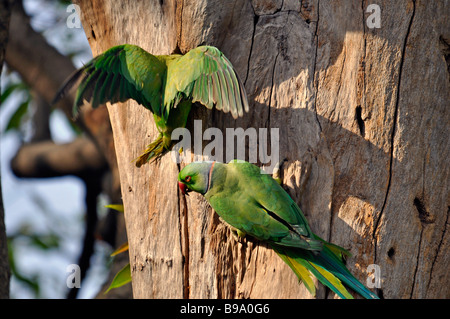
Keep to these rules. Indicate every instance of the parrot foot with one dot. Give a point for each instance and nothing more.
(238, 235)
(154, 151)
(277, 172)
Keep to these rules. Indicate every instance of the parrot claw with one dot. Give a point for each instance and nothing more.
(276, 175)
(154, 151)
(238, 235)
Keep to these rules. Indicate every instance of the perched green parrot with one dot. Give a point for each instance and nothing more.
(255, 204)
(167, 85)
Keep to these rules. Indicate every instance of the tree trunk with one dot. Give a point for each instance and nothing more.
(362, 112)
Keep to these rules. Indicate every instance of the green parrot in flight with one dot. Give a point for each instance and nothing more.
(253, 203)
(167, 85)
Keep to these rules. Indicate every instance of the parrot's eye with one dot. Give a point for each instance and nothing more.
(187, 179)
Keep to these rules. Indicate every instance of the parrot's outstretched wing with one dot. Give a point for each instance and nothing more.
(120, 73)
(207, 76)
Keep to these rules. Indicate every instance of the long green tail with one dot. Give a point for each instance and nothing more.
(327, 266)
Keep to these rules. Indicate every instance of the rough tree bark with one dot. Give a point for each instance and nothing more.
(363, 118)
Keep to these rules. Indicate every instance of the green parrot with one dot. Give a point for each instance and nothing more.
(255, 204)
(167, 85)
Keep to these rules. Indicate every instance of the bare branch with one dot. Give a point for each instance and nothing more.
(39, 64)
(47, 159)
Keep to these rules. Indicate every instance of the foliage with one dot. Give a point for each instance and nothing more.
(124, 275)
(21, 90)
(43, 242)
(47, 17)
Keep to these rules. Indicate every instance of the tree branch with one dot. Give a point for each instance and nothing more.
(47, 159)
(39, 64)
(44, 69)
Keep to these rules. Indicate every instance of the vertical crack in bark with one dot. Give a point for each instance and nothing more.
(186, 286)
(417, 263)
(315, 85)
(271, 90)
(184, 239)
(179, 23)
(438, 250)
(365, 53)
(362, 94)
(255, 22)
(394, 126)
(183, 225)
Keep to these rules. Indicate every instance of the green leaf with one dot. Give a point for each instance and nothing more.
(77, 130)
(122, 277)
(118, 207)
(121, 249)
(31, 282)
(45, 242)
(16, 118)
(10, 89)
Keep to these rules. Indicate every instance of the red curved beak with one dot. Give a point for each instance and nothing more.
(183, 188)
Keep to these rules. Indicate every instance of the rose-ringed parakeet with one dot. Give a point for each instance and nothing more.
(167, 85)
(255, 204)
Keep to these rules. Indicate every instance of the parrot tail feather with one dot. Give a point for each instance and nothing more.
(333, 263)
(299, 268)
(154, 151)
(326, 266)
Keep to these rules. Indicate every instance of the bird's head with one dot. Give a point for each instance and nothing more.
(196, 177)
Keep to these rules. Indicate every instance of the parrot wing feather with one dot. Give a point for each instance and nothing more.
(123, 72)
(207, 76)
(274, 200)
